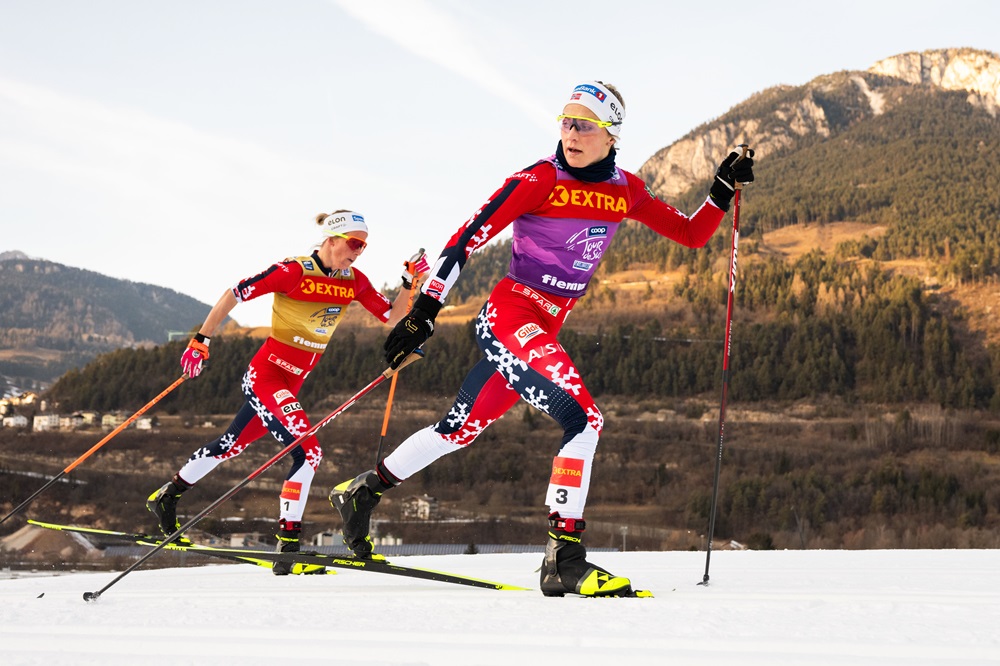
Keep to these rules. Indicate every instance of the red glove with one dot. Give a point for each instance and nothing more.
(195, 357)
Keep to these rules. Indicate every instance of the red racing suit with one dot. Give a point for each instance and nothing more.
(309, 302)
(562, 228)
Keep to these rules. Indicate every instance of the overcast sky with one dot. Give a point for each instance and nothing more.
(189, 144)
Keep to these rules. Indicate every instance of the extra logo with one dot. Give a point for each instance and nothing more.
(311, 287)
(567, 472)
(291, 490)
(563, 196)
(526, 332)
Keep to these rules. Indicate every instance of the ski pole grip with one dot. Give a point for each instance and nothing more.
(414, 356)
(744, 149)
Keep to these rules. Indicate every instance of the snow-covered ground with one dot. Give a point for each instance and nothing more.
(788, 607)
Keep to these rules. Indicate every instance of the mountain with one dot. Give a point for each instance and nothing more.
(55, 317)
(869, 254)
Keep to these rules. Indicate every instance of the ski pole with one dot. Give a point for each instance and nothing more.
(94, 448)
(414, 285)
(727, 344)
(94, 596)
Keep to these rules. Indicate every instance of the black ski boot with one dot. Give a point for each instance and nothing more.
(565, 568)
(355, 500)
(289, 533)
(288, 542)
(163, 504)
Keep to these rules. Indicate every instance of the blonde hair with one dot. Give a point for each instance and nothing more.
(322, 216)
(614, 91)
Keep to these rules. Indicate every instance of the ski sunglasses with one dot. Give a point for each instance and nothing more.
(356, 244)
(583, 125)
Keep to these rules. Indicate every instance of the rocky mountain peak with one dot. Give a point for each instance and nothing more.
(952, 69)
(778, 119)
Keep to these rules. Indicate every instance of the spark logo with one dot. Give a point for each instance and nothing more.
(285, 365)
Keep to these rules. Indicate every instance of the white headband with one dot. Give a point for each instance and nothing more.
(342, 223)
(603, 103)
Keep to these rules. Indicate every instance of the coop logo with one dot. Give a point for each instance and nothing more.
(562, 196)
(526, 332)
(291, 407)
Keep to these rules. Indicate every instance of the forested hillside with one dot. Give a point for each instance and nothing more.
(55, 317)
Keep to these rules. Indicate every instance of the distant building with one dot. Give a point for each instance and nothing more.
(44, 422)
(111, 421)
(145, 423)
(15, 421)
(423, 507)
(71, 422)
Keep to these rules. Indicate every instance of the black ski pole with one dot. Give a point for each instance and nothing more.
(72, 465)
(727, 344)
(389, 372)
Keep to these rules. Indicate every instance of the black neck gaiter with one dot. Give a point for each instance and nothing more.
(592, 173)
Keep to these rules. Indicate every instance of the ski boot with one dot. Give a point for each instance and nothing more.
(355, 500)
(288, 542)
(163, 504)
(565, 568)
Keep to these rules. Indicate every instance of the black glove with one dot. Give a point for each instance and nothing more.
(412, 331)
(727, 175)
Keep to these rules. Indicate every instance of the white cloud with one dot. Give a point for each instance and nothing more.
(438, 36)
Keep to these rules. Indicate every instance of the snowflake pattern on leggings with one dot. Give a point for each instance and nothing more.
(248, 381)
(564, 381)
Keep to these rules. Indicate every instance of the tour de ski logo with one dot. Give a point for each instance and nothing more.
(589, 242)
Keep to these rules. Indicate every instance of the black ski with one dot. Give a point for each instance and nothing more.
(330, 561)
